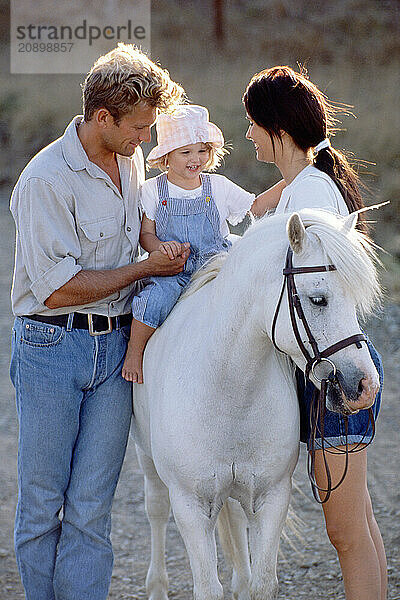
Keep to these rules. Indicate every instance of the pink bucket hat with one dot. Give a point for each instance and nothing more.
(188, 125)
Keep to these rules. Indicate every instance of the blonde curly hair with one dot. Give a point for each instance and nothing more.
(124, 77)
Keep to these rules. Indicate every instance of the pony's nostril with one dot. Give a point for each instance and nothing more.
(360, 388)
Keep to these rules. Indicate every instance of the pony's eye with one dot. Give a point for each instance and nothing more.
(318, 300)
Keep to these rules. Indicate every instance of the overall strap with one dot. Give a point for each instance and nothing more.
(212, 212)
(206, 184)
(162, 186)
(163, 200)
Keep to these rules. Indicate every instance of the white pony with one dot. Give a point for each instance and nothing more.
(217, 416)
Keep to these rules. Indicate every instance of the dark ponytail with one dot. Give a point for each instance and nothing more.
(335, 164)
(280, 99)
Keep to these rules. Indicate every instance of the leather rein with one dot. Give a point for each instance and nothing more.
(318, 404)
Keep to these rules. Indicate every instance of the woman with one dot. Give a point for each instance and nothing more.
(290, 124)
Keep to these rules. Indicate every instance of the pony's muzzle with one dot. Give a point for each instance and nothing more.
(359, 396)
(368, 388)
(352, 393)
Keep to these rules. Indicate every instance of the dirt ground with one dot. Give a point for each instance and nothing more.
(309, 571)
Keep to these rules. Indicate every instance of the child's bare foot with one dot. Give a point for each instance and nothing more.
(132, 367)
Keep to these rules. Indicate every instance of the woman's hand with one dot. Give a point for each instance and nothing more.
(268, 199)
(172, 249)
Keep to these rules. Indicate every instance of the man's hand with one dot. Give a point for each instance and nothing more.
(89, 286)
(161, 264)
(172, 249)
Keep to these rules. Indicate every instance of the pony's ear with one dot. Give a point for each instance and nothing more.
(349, 223)
(296, 233)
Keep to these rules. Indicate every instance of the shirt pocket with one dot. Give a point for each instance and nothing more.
(98, 243)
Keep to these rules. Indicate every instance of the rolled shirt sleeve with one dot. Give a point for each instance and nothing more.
(46, 233)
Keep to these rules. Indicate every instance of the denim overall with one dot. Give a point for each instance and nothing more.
(194, 220)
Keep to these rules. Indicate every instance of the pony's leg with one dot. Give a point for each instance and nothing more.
(157, 509)
(232, 529)
(197, 529)
(265, 528)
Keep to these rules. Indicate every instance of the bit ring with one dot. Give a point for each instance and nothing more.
(318, 361)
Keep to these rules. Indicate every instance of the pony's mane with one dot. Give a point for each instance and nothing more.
(207, 273)
(351, 251)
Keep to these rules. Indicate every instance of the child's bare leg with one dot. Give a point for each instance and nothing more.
(132, 369)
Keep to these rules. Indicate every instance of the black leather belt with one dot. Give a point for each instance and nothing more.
(96, 324)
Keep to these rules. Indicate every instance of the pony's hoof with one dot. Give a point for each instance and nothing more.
(157, 591)
(158, 595)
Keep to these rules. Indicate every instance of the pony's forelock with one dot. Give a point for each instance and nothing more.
(352, 252)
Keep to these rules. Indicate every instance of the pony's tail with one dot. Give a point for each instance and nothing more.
(232, 530)
(229, 524)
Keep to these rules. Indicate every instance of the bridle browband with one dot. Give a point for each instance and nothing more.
(295, 308)
(318, 407)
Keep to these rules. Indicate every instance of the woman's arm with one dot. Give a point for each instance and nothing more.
(268, 199)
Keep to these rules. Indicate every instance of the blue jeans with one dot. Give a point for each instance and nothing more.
(359, 426)
(74, 412)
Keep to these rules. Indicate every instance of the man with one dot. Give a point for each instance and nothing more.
(76, 213)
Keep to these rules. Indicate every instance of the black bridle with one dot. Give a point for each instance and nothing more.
(318, 405)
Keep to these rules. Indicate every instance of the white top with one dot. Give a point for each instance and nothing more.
(312, 188)
(232, 201)
(69, 216)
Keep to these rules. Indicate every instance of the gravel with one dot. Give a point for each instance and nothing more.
(308, 567)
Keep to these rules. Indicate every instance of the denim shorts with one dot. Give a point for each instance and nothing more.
(359, 426)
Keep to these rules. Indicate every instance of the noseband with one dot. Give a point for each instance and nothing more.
(318, 406)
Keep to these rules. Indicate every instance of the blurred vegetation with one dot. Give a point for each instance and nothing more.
(351, 49)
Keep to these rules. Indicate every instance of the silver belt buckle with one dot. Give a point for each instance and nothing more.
(93, 332)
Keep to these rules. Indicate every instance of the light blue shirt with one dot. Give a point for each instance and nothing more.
(69, 216)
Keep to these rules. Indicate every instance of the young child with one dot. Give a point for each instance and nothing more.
(182, 206)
